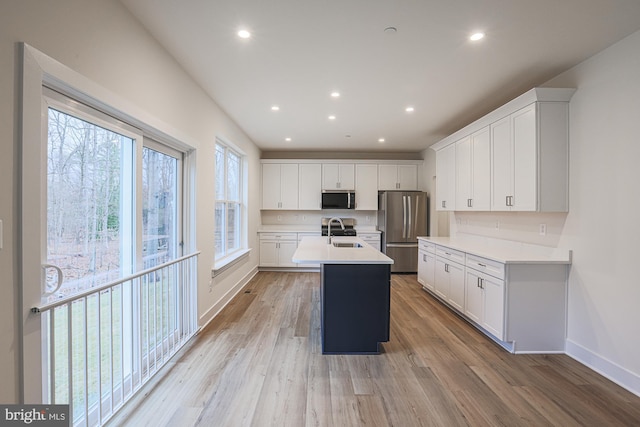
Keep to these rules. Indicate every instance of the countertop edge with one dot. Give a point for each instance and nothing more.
(521, 253)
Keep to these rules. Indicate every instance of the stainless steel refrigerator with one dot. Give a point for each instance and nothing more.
(402, 217)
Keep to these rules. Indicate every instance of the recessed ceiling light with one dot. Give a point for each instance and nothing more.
(335, 94)
(409, 109)
(288, 139)
(275, 108)
(244, 34)
(332, 117)
(381, 140)
(476, 36)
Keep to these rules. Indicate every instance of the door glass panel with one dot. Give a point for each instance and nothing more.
(159, 207)
(89, 236)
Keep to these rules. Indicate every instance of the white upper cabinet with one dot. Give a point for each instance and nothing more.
(279, 186)
(528, 166)
(397, 177)
(310, 186)
(473, 172)
(338, 176)
(530, 159)
(366, 187)
(446, 178)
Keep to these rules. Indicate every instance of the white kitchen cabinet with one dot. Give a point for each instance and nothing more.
(371, 238)
(366, 187)
(529, 170)
(276, 249)
(519, 302)
(338, 176)
(279, 186)
(446, 178)
(473, 172)
(310, 186)
(449, 276)
(397, 177)
(426, 265)
(485, 295)
(529, 150)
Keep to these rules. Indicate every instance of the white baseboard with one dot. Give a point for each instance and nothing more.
(616, 373)
(210, 314)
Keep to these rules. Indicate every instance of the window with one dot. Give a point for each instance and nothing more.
(108, 295)
(229, 196)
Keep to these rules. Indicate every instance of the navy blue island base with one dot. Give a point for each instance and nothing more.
(355, 307)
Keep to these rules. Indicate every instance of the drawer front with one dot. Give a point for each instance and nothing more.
(487, 266)
(369, 237)
(278, 236)
(450, 254)
(425, 246)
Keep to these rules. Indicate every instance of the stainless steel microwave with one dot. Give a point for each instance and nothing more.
(332, 199)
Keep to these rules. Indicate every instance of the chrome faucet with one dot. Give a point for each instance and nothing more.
(329, 226)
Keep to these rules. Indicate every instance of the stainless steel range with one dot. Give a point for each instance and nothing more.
(336, 229)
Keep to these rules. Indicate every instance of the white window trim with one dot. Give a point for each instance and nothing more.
(227, 261)
(39, 70)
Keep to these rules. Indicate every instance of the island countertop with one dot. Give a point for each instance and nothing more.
(317, 250)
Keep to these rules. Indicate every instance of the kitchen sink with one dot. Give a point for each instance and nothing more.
(347, 245)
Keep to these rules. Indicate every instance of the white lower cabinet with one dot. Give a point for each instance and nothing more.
(520, 304)
(371, 238)
(426, 265)
(449, 276)
(276, 249)
(484, 297)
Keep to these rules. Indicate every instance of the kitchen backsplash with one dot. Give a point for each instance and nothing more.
(536, 228)
(313, 218)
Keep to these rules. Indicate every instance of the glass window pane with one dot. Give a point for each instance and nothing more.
(233, 177)
(233, 226)
(220, 180)
(86, 233)
(159, 207)
(219, 229)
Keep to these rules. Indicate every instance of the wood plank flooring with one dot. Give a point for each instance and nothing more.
(259, 363)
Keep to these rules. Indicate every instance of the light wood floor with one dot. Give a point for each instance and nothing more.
(259, 364)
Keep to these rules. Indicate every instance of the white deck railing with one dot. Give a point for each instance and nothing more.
(103, 344)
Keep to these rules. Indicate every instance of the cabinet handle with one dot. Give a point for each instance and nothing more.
(478, 284)
(482, 265)
(481, 283)
(469, 203)
(446, 268)
(444, 204)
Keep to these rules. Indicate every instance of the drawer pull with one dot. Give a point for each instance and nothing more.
(482, 265)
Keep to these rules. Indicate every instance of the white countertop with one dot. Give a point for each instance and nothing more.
(316, 250)
(504, 251)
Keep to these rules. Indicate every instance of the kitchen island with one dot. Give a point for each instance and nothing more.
(355, 280)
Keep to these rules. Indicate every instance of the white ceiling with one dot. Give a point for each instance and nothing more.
(301, 50)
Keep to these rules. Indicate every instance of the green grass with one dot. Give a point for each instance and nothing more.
(103, 341)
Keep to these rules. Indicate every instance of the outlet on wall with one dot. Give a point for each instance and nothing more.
(543, 229)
